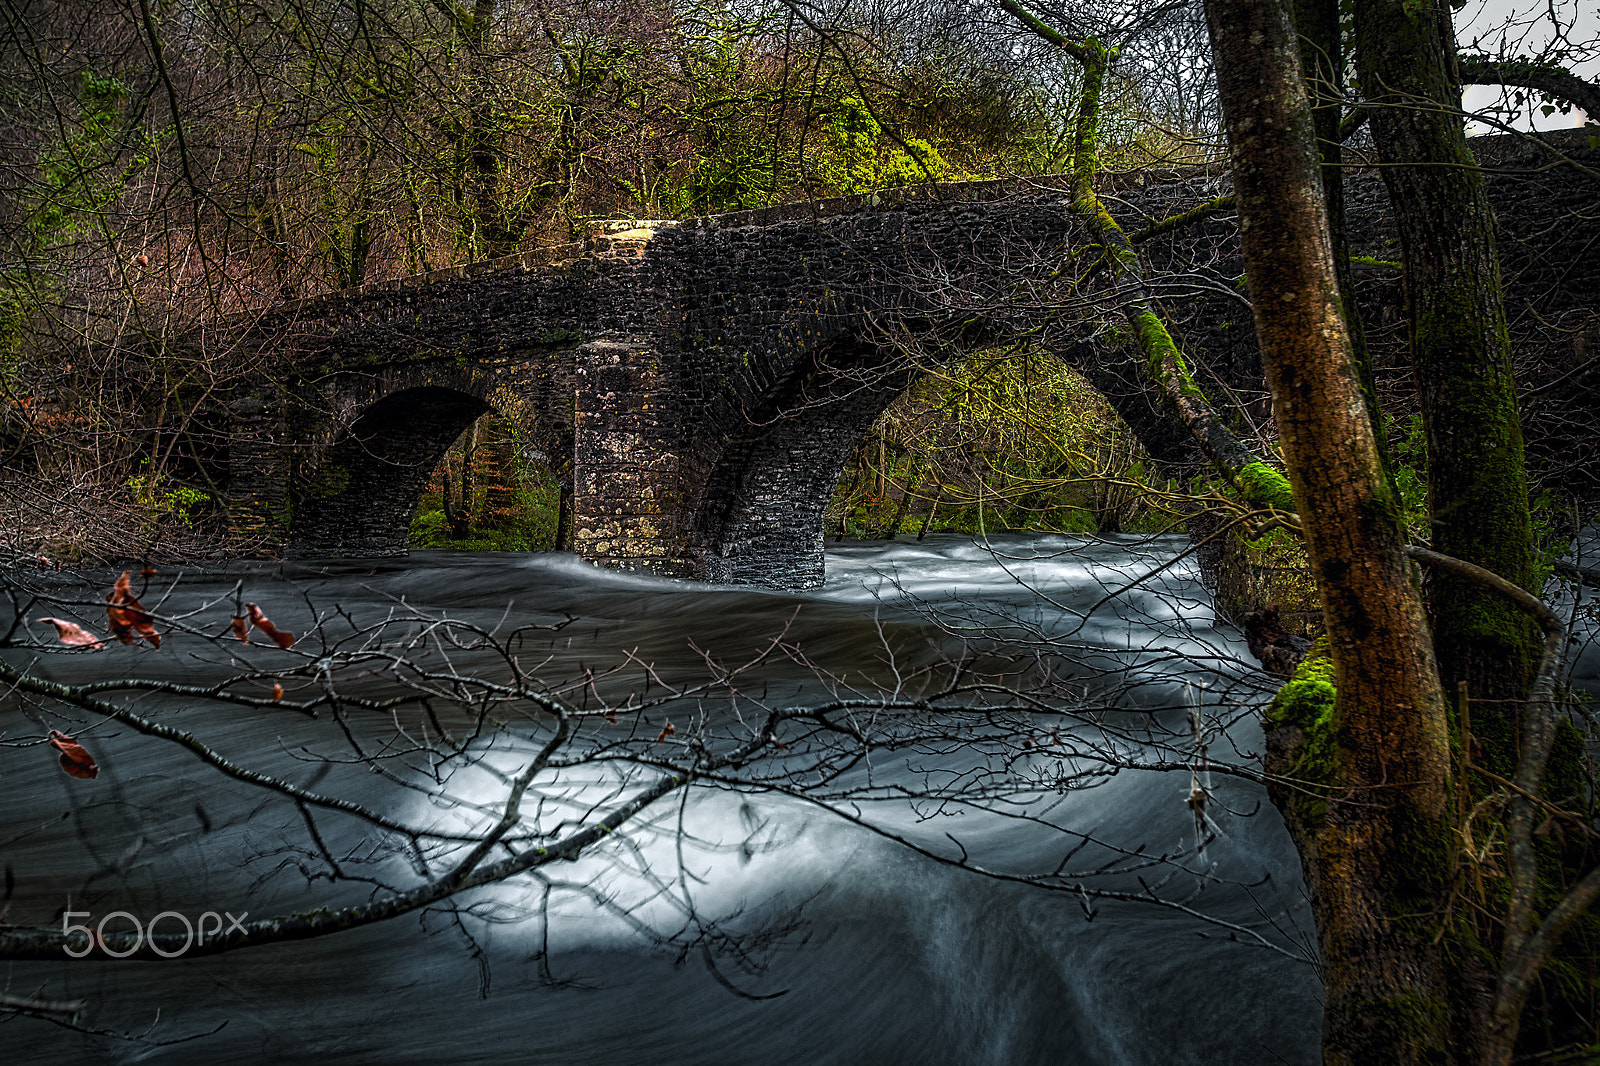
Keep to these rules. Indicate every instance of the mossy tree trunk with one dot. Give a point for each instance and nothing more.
(1478, 500)
(1366, 742)
(1477, 486)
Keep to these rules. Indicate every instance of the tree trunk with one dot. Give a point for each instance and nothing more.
(1370, 808)
(563, 541)
(456, 521)
(1322, 64)
(460, 519)
(1477, 488)
(933, 508)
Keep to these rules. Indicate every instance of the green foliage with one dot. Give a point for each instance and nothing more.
(1551, 539)
(164, 502)
(508, 496)
(860, 157)
(1411, 480)
(78, 178)
(532, 531)
(77, 175)
(1000, 442)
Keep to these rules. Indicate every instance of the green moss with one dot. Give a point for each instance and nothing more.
(1265, 487)
(1194, 214)
(1405, 1020)
(1278, 545)
(1158, 346)
(1463, 360)
(1271, 568)
(1308, 702)
(1118, 335)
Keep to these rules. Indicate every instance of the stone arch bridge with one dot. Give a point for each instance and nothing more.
(698, 386)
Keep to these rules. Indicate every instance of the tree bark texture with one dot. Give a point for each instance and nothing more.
(1477, 486)
(1322, 64)
(1367, 784)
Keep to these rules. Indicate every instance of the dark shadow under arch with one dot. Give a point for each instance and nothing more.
(361, 496)
(761, 515)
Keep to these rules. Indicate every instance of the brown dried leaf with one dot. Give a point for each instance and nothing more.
(263, 623)
(127, 616)
(71, 633)
(74, 759)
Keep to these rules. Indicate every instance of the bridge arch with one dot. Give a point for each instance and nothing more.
(761, 516)
(761, 513)
(359, 500)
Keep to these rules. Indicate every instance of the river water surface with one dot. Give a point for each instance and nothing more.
(737, 926)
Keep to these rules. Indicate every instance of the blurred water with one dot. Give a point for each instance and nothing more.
(863, 951)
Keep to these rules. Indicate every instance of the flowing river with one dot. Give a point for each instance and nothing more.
(733, 925)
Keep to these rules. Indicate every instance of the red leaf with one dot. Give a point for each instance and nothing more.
(72, 633)
(127, 616)
(666, 731)
(263, 623)
(74, 760)
(277, 691)
(241, 627)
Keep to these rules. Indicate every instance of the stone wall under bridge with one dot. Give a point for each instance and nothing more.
(699, 385)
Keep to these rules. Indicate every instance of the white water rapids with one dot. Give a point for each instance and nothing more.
(847, 946)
